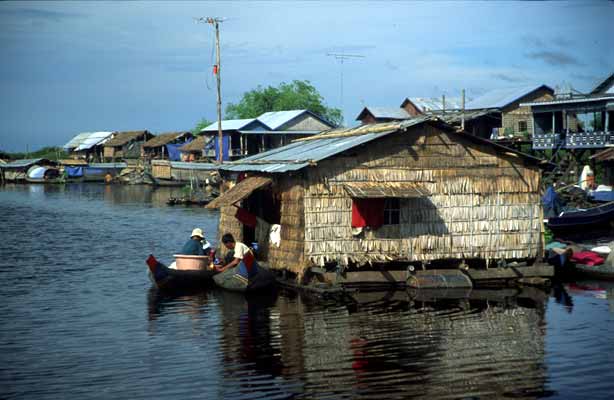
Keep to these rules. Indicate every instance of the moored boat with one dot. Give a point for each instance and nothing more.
(581, 221)
(190, 272)
(236, 279)
(602, 271)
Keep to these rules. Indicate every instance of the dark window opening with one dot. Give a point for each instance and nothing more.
(392, 211)
(522, 126)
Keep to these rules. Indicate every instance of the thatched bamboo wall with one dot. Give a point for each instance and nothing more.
(290, 254)
(483, 204)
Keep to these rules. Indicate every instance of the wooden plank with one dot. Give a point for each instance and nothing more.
(540, 270)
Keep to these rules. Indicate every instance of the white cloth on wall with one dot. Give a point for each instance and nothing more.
(275, 235)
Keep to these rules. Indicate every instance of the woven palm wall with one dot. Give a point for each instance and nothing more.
(483, 204)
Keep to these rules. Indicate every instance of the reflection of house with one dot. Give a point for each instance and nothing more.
(270, 130)
(515, 118)
(166, 145)
(89, 145)
(126, 145)
(408, 191)
(575, 121)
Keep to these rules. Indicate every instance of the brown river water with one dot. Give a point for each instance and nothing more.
(80, 320)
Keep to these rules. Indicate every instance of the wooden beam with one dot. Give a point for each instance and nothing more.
(541, 270)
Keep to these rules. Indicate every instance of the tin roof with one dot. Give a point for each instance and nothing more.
(307, 151)
(605, 85)
(587, 99)
(280, 132)
(119, 165)
(26, 162)
(77, 140)
(275, 119)
(397, 113)
(500, 98)
(435, 103)
(229, 125)
(194, 165)
(93, 139)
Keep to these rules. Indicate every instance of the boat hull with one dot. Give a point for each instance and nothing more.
(233, 281)
(594, 219)
(602, 271)
(174, 279)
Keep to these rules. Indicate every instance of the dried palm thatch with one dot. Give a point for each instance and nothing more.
(195, 146)
(121, 138)
(240, 191)
(165, 138)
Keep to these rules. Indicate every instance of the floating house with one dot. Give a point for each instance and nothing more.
(195, 150)
(382, 195)
(17, 170)
(244, 137)
(574, 121)
(165, 146)
(179, 173)
(415, 106)
(506, 104)
(126, 145)
(88, 146)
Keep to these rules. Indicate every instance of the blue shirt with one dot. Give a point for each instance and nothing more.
(193, 248)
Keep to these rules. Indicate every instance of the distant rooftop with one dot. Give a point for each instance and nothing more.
(230, 125)
(500, 98)
(393, 113)
(435, 103)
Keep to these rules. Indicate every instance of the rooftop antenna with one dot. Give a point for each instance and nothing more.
(341, 57)
(215, 22)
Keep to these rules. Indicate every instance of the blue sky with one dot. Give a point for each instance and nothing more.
(85, 66)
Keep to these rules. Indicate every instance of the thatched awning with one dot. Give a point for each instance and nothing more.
(240, 191)
(371, 190)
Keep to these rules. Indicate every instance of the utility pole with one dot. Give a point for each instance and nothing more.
(341, 57)
(215, 22)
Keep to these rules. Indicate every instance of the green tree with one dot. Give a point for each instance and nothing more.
(286, 96)
(200, 125)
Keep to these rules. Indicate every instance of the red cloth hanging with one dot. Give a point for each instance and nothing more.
(215, 69)
(587, 258)
(245, 217)
(367, 212)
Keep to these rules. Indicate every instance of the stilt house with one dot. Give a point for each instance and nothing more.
(413, 191)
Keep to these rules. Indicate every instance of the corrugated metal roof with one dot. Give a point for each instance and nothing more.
(275, 119)
(435, 104)
(500, 98)
(77, 140)
(93, 139)
(570, 101)
(120, 165)
(387, 112)
(26, 162)
(230, 125)
(280, 132)
(194, 165)
(304, 152)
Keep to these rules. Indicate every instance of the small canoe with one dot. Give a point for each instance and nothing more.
(172, 279)
(232, 280)
(603, 271)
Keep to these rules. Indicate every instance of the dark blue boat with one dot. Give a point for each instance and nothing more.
(174, 279)
(581, 222)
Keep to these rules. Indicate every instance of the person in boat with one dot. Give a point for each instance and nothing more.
(196, 245)
(243, 257)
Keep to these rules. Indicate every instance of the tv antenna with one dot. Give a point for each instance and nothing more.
(341, 57)
(215, 22)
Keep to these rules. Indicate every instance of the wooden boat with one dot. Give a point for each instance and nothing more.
(172, 279)
(603, 271)
(39, 174)
(582, 221)
(232, 280)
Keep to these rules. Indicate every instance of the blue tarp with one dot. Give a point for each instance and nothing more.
(74, 172)
(173, 150)
(552, 203)
(602, 195)
(225, 147)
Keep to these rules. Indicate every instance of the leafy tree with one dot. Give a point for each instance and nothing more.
(200, 125)
(286, 96)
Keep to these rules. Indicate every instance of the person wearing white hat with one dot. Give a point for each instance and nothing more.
(194, 246)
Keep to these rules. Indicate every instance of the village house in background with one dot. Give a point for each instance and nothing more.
(126, 145)
(414, 191)
(88, 146)
(165, 146)
(195, 150)
(244, 137)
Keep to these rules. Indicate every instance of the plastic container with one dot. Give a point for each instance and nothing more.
(186, 262)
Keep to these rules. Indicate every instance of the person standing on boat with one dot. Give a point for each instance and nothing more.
(243, 258)
(196, 245)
